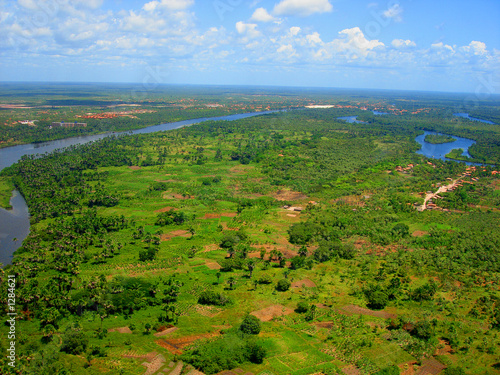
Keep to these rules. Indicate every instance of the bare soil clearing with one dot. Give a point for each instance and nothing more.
(271, 312)
(289, 195)
(175, 233)
(357, 310)
(120, 330)
(175, 346)
(303, 283)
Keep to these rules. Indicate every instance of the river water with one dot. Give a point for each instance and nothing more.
(438, 151)
(14, 224)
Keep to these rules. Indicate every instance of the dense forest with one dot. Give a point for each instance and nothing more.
(290, 243)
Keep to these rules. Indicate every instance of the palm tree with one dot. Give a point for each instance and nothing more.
(251, 266)
(231, 281)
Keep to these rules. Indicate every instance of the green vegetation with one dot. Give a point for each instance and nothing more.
(286, 244)
(439, 138)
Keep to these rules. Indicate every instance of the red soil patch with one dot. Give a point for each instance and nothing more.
(351, 370)
(356, 310)
(176, 196)
(212, 265)
(134, 167)
(211, 216)
(271, 312)
(431, 366)
(120, 330)
(285, 250)
(165, 332)
(175, 346)
(324, 324)
(445, 350)
(288, 195)
(175, 233)
(229, 214)
(407, 368)
(240, 169)
(360, 244)
(166, 209)
(304, 282)
(419, 233)
(148, 357)
(212, 247)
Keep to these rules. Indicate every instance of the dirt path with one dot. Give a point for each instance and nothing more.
(442, 189)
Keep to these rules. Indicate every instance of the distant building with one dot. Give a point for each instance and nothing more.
(63, 124)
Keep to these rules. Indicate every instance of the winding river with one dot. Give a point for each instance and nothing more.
(14, 223)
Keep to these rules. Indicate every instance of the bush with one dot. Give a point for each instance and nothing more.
(425, 292)
(208, 297)
(301, 233)
(454, 370)
(250, 325)
(302, 307)
(377, 299)
(283, 285)
(389, 370)
(74, 342)
(226, 352)
(265, 279)
(171, 217)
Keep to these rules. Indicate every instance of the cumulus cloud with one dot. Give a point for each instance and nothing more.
(400, 43)
(302, 8)
(314, 38)
(394, 12)
(168, 4)
(247, 29)
(475, 48)
(354, 42)
(294, 30)
(261, 15)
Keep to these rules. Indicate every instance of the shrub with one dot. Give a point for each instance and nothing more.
(208, 297)
(302, 307)
(74, 342)
(301, 233)
(377, 299)
(265, 279)
(425, 292)
(283, 285)
(454, 370)
(389, 370)
(250, 325)
(229, 351)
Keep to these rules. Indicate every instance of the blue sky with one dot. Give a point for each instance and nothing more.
(437, 45)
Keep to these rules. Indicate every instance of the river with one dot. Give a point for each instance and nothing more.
(438, 151)
(14, 223)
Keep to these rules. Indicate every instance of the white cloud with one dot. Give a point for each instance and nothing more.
(247, 29)
(475, 48)
(287, 51)
(168, 4)
(302, 8)
(261, 15)
(400, 43)
(28, 4)
(395, 13)
(353, 42)
(294, 30)
(440, 47)
(314, 38)
(151, 6)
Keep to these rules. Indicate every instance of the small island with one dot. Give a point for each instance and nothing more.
(439, 138)
(456, 154)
